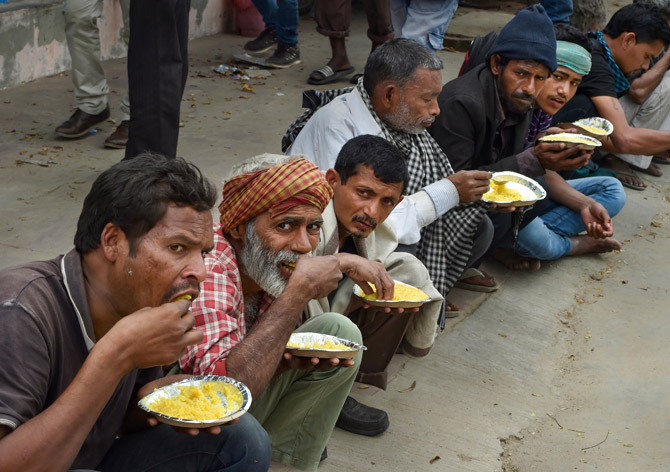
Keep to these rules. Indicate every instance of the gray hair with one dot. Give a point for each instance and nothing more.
(397, 60)
(260, 162)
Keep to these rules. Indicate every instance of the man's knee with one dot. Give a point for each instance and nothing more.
(333, 324)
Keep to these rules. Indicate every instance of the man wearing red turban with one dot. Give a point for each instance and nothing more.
(260, 279)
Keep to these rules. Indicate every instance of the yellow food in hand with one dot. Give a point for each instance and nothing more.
(200, 402)
(502, 193)
(326, 344)
(400, 292)
(592, 129)
(567, 139)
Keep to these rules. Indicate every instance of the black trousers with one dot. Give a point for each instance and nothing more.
(157, 70)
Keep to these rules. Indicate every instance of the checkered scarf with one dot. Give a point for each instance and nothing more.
(446, 244)
(621, 82)
(277, 190)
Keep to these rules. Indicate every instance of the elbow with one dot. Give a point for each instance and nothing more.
(638, 97)
(625, 145)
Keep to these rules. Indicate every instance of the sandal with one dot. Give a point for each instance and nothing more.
(631, 175)
(487, 283)
(354, 79)
(328, 75)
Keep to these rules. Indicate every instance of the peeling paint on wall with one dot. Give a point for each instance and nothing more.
(32, 39)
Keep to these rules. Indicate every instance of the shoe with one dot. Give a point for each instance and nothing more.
(119, 138)
(284, 56)
(80, 122)
(264, 42)
(361, 419)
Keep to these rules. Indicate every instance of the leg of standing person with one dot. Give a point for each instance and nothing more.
(555, 233)
(333, 18)
(281, 28)
(559, 11)
(380, 28)
(424, 21)
(240, 447)
(119, 138)
(88, 76)
(157, 71)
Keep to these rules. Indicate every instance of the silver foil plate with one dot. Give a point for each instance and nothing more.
(596, 122)
(172, 390)
(390, 303)
(319, 338)
(530, 189)
(570, 140)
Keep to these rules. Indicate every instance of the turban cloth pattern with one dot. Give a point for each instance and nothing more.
(277, 190)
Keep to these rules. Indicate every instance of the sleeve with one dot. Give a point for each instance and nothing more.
(214, 310)
(454, 129)
(24, 366)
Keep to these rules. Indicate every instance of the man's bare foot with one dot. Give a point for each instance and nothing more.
(513, 261)
(585, 244)
(624, 172)
(450, 307)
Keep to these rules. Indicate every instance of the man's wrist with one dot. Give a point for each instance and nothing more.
(444, 195)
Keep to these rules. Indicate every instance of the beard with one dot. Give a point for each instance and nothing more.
(261, 264)
(401, 119)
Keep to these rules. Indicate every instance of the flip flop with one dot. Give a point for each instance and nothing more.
(329, 75)
(472, 272)
(661, 160)
(628, 184)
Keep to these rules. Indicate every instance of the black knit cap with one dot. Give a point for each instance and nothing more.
(528, 36)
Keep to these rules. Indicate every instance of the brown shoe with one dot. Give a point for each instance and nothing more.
(80, 122)
(118, 138)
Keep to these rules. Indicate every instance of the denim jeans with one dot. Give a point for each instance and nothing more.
(282, 16)
(548, 237)
(241, 447)
(559, 11)
(424, 21)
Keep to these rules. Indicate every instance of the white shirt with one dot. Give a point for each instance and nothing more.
(346, 117)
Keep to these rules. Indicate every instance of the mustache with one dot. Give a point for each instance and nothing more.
(181, 288)
(523, 96)
(371, 221)
(286, 256)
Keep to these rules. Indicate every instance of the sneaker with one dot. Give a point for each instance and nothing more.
(264, 42)
(284, 56)
(361, 419)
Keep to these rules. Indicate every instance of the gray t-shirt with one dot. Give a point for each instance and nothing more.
(45, 338)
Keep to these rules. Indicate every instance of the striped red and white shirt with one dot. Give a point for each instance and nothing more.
(219, 311)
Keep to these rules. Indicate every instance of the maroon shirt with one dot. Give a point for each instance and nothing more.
(45, 338)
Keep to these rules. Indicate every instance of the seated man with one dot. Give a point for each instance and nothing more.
(84, 335)
(396, 99)
(489, 111)
(634, 35)
(368, 181)
(260, 278)
(577, 205)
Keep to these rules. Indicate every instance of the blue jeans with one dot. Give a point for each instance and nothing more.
(558, 11)
(548, 237)
(424, 21)
(282, 16)
(240, 447)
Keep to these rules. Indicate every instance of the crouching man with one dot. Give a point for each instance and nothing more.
(260, 278)
(84, 335)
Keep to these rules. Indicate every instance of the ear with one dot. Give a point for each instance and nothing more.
(628, 40)
(238, 232)
(333, 177)
(113, 242)
(388, 94)
(496, 64)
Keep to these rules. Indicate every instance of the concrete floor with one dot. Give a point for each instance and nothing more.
(584, 340)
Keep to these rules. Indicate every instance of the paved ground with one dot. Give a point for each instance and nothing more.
(584, 340)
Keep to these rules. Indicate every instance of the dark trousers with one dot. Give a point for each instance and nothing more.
(157, 70)
(333, 18)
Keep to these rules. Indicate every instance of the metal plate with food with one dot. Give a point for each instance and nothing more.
(595, 127)
(404, 296)
(513, 189)
(198, 402)
(572, 139)
(323, 346)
